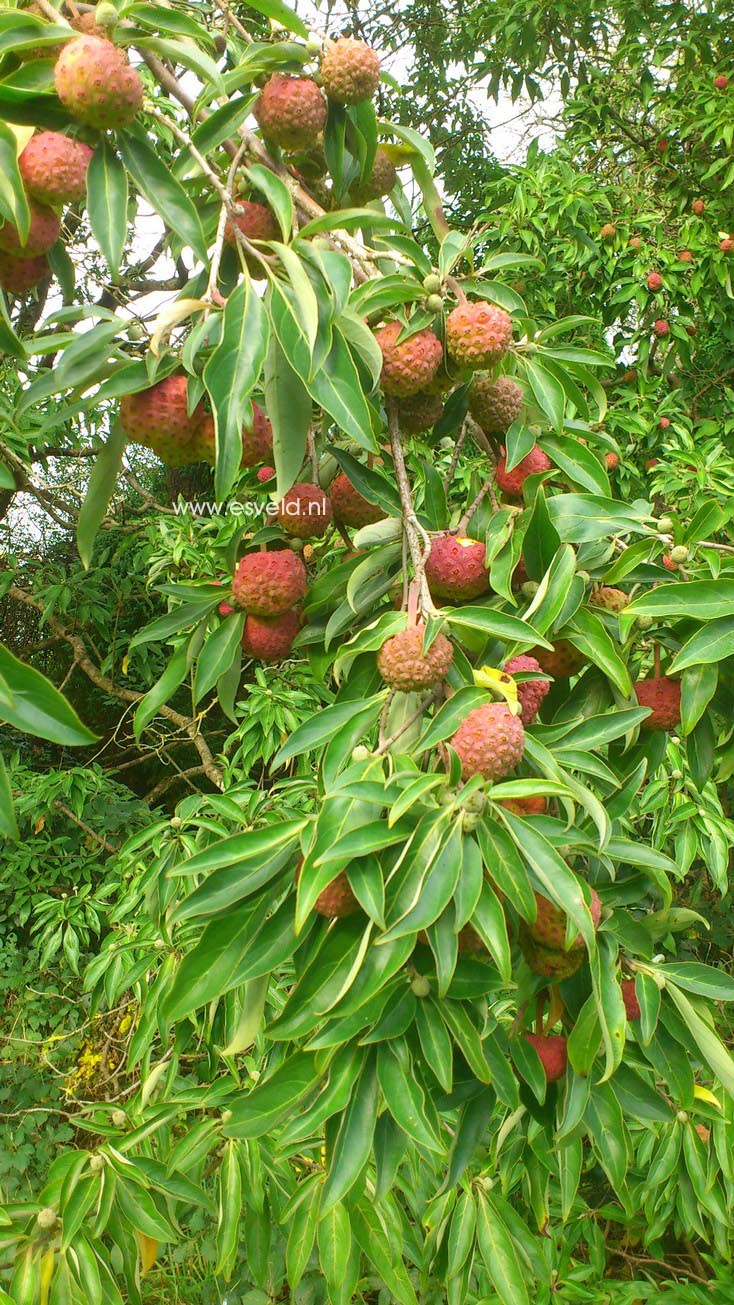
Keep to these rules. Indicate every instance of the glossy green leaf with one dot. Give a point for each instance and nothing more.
(107, 199)
(38, 708)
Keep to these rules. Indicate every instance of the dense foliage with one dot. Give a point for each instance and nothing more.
(366, 816)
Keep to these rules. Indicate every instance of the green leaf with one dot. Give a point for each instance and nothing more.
(713, 643)
(37, 707)
(277, 194)
(13, 201)
(405, 1099)
(302, 1232)
(107, 203)
(189, 54)
(166, 195)
(700, 600)
(497, 625)
(260, 1110)
(280, 13)
(218, 653)
(100, 489)
(230, 375)
(211, 968)
(354, 1139)
(335, 1244)
(547, 390)
(704, 980)
(698, 686)
(499, 1253)
(239, 866)
(8, 826)
(229, 1211)
(317, 731)
(289, 408)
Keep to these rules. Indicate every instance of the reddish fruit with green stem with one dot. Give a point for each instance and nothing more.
(552, 1050)
(455, 568)
(654, 281)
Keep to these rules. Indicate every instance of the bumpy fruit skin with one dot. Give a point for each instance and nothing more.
(158, 418)
(291, 111)
(337, 900)
(257, 222)
(407, 366)
(54, 168)
(611, 461)
(530, 693)
(661, 327)
(404, 665)
(305, 511)
(685, 256)
(19, 275)
(350, 71)
(419, 413)
(549, 926)
(548, 961)
(721, 83)
(635, 242)
(95, 82)
(663, 696)
(478, 334)
(561, 660)
(511, 482)
(265, 473)
(612, 600)
(268, 584)
(699, 207)
(42, 235)
(380, 181)
(668, 563)
(654, 281)
(350, 508)
(225, 608)
(455, 569)
(726, 245)
(664, 423)
(490, 742)
(608, 231)
(495, 405)
(525, 806)
(629, 997)
(469, 942)
(270, 639)
(257, 438)
(553, 1053)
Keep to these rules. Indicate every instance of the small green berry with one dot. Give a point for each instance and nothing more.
(680, 553)
(529, 589)
(420, 987)
(46, 1218)
(361, 753)
(105, 15)
(665, 525)
(432, 284)
(434, 304)
(645, 622)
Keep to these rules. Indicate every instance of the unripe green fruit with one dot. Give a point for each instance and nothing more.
(432, 284)
(136, 331)
(446, 442)
(361, 753)
(119, 1118)
(420, 987)
(529, 589)
(676, 774)
(665, 525)
(296, 545)
(584, 575)
(434, 304)
(645, 622)
(469, 821)
(225, 1116)
(96, 1163)
(682, 1117)
(314, 44)
(46, 1218)
(105, 15)
(680, 553)
(475, 802)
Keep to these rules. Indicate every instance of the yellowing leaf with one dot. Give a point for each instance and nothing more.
(47, 1273)
(498, 682)
(704, 1094)
(22, 134)
(171, 316)
(147, 1250)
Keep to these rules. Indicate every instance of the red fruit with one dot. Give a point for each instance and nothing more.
(478, 334)
(721, 83)
(661, 327)
(267, 584)
(635, 242)
(652, 462)
(54, 168)
(664, 423)
(495, 405)
(42, 236)
(455, 569)
(225, 609)
(419, 413)
(350, 508)
(553, 1053)
(159, 419)
(257, 438)
(662, 145)
(698, 207)
(549, 926)
(685, 256)
(691, 330)
(654, 281)
(265, 473)
(663, 696)
(409, 364)
(530, 693)
(608, 231)
(19, 275)
(405, 665)
(96, 84)
(548, 961)
(270, 639)
(668, 562)
(612, 461)
(560, 661)
(305, 511)
(511, 482)
(726, 245)
(291, 111)
(380, 181)
(527, 806)
(490, 742)
(256, 222)
(350, 71)
(629, 997)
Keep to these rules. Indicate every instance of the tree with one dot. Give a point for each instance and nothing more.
(408, 978)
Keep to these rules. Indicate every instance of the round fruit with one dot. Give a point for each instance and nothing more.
(350, 71)
(495, 405)
(337, 900)
(661, 327)
(405, 665)
(380, 181)
(612, 600)
(629, 997)
(549, 926)
(270, 639)
(225, 608)
(553, 1053)
(478, 334)
(665, 525)
(525, 806)
(635, 242)
(291, 111)
(561, 660)
(664, 423)
(511, 482)
(158, 418)
(490, 742)
(305, 511)
(19, 275)
(548, 961)
(419, 413)
(669, 564)
(257, 439)
(434, 304)
(721, 83)
(42, 235)
(96, 84)
(265, 473)
(726, 245)
(685, 256)
(680, 553)
(530, 693)
(654, 281)
(256, 222)
(54, 168)
(608, 231)
(662, 695)
(420, 987)
(662, 145)
(611, 461)
(699, 207)
(408, 364)
(455, 569)
(350, 508)
(432, 284)
(268, 584)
